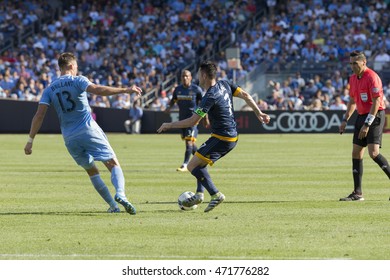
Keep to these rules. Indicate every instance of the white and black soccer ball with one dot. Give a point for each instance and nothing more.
(183, 197)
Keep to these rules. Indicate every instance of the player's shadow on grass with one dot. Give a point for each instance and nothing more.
(99, 213)
(225, 202)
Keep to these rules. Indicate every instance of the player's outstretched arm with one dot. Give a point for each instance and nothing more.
(35, 126)
(263, 118)
(107, 90)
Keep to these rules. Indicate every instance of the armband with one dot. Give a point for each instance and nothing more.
(199, 112)
(30, 140)
(370, 118)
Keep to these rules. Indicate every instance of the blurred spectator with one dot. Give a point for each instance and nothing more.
(272, 100)
(295, 102)
(99, 101)
(338, 104)
(281, 103)
(286, 89)
(345, 94)
(337, 81)
(119, 102)
(381, 60)
(328, 88)
(164, 100)
(309, 92)
(262, 104)
(316, 105)
(298, 81)
(133, 124)
(156, 105)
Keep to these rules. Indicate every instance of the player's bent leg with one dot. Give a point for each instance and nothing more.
(102, 189)
(118, 180)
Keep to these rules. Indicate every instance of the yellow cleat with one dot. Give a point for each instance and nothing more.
(182, 168)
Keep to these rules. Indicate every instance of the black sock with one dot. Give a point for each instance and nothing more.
(357, 171)
(382, 162)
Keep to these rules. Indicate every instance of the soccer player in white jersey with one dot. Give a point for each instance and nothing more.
(84, 139)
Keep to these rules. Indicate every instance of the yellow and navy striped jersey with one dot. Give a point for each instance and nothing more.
(218, 104)
(187, 98)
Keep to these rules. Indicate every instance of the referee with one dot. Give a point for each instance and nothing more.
(366, 96)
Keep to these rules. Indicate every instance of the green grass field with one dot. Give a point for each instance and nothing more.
(281, 192)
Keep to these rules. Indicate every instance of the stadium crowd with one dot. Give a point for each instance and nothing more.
(140, 42)
(144, 42)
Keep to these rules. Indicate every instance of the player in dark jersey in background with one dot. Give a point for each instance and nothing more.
(187, 96)
(217, 103)
(366, 96)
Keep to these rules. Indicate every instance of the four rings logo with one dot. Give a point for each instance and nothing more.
(303, 122)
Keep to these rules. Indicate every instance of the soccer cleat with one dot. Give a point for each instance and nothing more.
(353, 197)
(215, 202)
(193, 200)
(113, 210)
(125, 203)
(182, 168)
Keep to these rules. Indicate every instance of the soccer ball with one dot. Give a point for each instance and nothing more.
(183, 197)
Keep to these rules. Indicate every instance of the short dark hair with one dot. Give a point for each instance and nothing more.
(360, 55)
(209, 68)
(66, 59)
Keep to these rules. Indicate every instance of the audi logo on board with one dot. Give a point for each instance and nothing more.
(304, 122)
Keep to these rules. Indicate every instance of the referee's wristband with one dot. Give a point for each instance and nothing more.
(370, 118)
(30, 140)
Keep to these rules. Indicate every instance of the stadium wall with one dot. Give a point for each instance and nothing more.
(16, 116)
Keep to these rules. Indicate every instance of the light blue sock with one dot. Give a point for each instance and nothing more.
(102, 189)
(118, 180)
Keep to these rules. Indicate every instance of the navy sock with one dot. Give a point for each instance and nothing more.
(187, 153)
(194, 148)
(199, 188)
(357, 171)
(204, 178)
(382, 162)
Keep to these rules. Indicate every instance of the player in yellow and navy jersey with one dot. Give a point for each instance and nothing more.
(217, 103)
(187, 96)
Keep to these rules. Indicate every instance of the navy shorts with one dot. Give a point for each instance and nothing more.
(374, 135)
(189, 133)
(214, 149)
